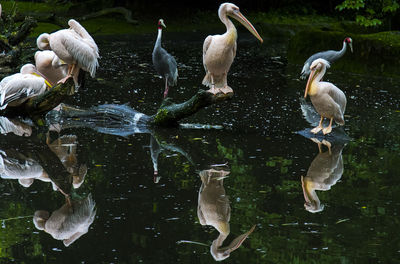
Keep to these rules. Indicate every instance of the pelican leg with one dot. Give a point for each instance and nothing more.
(226, 89)
(328, 129)
(328, 144)
(212, 89)
(69, 75)
(166, 87)
(315, 130)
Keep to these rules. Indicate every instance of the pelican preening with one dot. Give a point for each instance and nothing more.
(50, 66)
(17, 88)
(73, 46)
(329, 55)
(164, 63)
(328, 100)
(69, 222)
(220, 50)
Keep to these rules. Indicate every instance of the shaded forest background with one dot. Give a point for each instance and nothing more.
(368, 13)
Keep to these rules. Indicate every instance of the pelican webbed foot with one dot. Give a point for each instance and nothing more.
(213, 90)
(63, 80)
(315, 130)
(226, 89)
(328, 129)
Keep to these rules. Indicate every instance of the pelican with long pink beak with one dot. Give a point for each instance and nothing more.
(328, 100)
(220, 50)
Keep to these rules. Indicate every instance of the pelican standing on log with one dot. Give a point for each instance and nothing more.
(164, 63)
(328, 100)
(329, 55)
(220, 50)
(75, 47)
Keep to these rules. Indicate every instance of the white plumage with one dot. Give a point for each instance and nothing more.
(17, 88)
(74, 46)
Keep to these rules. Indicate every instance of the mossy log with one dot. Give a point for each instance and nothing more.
(169, 113)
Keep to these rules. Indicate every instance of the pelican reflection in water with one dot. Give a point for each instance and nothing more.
(214, 209)
(325, 170)
(69, 222)
(65, 149)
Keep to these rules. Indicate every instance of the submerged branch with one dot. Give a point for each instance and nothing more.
(170, 114)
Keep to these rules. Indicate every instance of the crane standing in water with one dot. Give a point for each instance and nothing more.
(220, 50)
(329, 55)
(164, 63)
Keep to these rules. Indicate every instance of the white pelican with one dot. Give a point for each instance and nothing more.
(220, 50)
(73, 46)
(17, 88)
(328, 100)
(50, 66)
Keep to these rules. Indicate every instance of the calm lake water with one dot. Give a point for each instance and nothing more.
(142, 218)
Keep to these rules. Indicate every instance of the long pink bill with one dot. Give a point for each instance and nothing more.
(239, 17)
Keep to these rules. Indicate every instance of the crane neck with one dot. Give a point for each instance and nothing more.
(343, 50)
(158, 41)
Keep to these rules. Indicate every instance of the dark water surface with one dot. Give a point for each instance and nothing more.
(137, 220)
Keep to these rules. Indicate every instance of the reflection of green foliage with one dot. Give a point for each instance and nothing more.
(15, 229)
(282, 162)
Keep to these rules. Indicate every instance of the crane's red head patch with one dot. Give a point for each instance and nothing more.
(348, 40)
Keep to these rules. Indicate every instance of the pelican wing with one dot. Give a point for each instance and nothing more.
(206, 45)
(339, 97)
(81, 31)
(83, 53)
(21, 88)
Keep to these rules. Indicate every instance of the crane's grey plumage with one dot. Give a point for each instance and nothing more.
(329, 55)
(164, 63)
(328, 100)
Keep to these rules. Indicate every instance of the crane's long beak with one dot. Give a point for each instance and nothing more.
(351, 47)
(239, 17)
(310, 79)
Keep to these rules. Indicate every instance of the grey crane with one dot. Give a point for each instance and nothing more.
(164, 63)
(329, 55)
